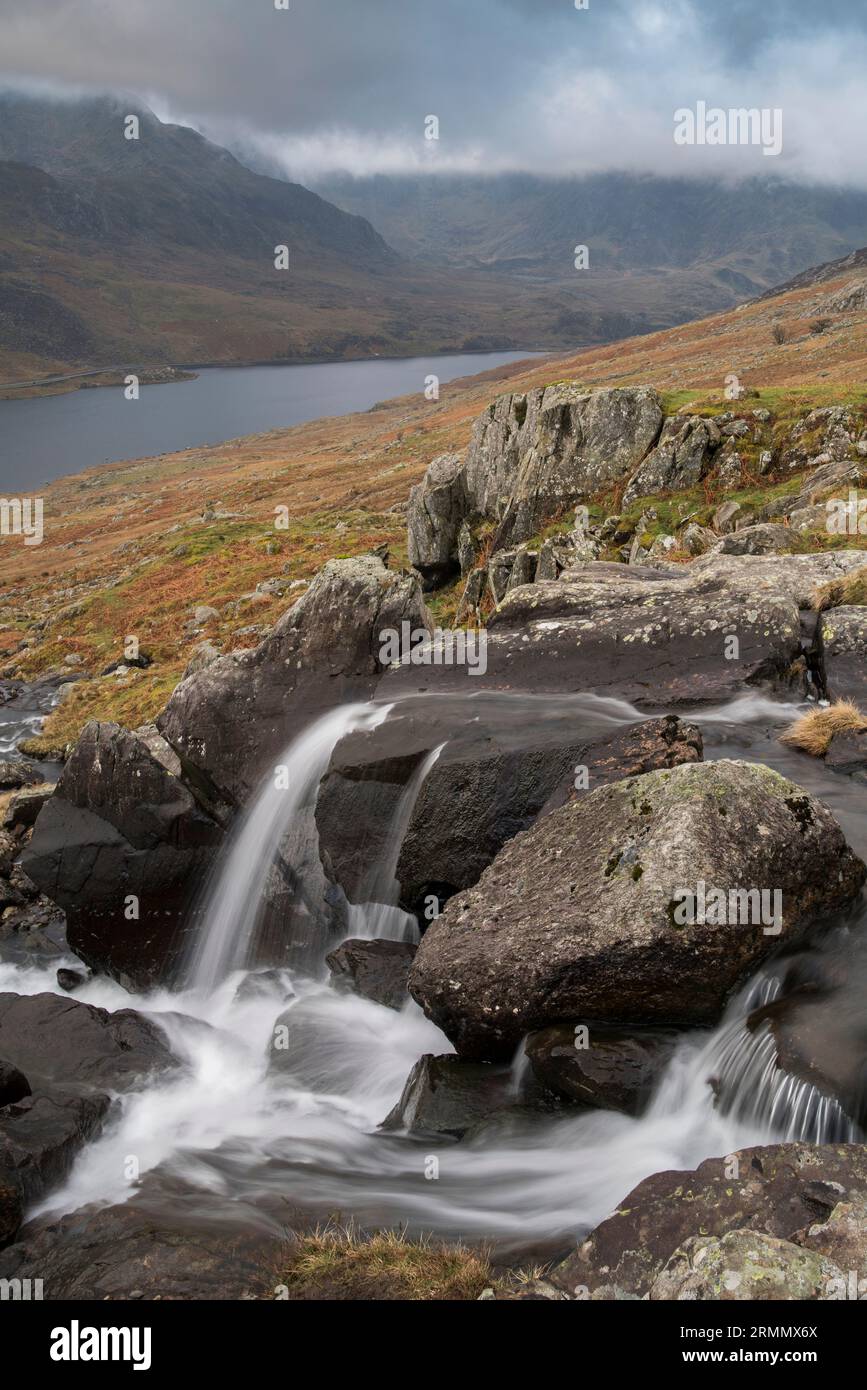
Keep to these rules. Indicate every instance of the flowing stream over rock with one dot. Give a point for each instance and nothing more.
(250, 1142)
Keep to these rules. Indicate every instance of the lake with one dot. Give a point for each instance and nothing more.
(53, 436)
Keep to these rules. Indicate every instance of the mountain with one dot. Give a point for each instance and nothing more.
(744, 237)
(160, 250)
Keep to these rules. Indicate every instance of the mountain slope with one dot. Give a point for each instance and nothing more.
(745, 236)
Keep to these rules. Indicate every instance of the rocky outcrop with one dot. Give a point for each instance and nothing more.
(586, 915)
(121, 846)
(437, 507)
(652, 635)
(681, 459)
(778, 1191)
(531, 456)
(377, 970)
(230, 720)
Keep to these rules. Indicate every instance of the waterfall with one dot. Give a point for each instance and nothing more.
(751, 1085)
(378, 916)
(232, 905)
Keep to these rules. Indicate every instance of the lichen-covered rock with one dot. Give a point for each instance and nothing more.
(578, 917)
(435, 514)
(777, 1190)
(763, 539)
(680, 460)
(743, 1265)
(573, 443)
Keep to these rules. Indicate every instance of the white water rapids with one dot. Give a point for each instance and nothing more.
(243, 1134)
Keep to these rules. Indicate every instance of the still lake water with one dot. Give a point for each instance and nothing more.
(51, 437)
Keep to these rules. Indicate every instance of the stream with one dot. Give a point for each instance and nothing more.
(245, 1141)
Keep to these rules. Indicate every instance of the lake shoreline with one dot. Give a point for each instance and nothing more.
(38, 388)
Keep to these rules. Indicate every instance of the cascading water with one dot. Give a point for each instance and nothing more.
(378, 916)
(232, 905)
(242, 1139)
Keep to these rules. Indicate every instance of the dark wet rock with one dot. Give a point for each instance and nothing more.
(615, 1071)
(121, 846)
(26, 804)
(847, 754)
(480, 792)
(844, 653)
(776, 1190)
(764, 539)
(230, 721)
(17, 774)
(437, 507)
(42, 1134)
(13, 1084)
(377, 970)
(70, 980)
(445, 1096)
(576, 918)
(56, 1039)
(265, 984)
(646, 747)
(133, 1252)
(743, 1265)
(680, 460)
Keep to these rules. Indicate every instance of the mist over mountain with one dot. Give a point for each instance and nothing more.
(748, 234)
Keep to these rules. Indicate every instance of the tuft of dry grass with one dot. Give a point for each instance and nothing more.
(813, 732)
(342, 1263)
(848, 592)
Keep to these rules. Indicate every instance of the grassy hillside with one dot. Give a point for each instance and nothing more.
(132, 549)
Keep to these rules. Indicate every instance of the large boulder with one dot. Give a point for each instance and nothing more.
(585, 915)
(436, 511)
(55, 1039)
(122, 846)
(778, 1191)
(231, 720)
(680, 460)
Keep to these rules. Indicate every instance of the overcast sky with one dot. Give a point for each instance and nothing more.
(516, 84)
